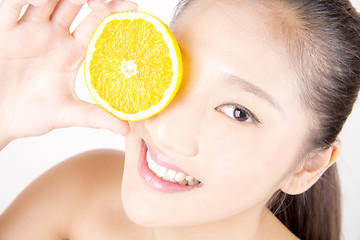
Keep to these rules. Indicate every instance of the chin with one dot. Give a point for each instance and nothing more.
(147, 208)
(138, 203)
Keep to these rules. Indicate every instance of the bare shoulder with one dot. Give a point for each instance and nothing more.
(69, 199)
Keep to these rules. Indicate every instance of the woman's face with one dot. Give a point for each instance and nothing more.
(236, 124)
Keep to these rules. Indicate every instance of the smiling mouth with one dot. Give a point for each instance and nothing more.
(169, 174)
(161, 174)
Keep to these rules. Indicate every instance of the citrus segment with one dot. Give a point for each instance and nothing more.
(133, 65)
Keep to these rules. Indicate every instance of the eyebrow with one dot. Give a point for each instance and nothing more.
(249, 87)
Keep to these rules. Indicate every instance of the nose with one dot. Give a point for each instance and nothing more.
(175, 129)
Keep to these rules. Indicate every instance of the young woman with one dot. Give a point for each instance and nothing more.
(268, 85)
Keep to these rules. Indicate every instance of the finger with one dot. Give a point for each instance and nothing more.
(85, 30)
(84, 114)
(10, 12)
(40, 13)
(65, 12)
(97, 5)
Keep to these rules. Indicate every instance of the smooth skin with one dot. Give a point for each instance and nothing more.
(98, 195)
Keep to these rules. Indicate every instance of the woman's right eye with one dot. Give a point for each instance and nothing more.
(237, 112)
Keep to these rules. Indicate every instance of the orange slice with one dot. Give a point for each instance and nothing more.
(133, 65)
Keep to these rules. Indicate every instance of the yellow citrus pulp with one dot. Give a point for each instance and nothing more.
(133, 65)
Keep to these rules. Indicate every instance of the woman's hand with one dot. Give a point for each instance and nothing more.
(39, 61)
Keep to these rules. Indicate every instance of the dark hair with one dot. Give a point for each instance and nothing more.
(323, 42)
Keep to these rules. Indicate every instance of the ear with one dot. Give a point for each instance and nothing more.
(314, 165)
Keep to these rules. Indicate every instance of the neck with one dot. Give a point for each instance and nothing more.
(245, 226)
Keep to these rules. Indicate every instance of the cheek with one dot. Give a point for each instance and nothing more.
(246, 167)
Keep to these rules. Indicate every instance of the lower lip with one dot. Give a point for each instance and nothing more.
(153, 180)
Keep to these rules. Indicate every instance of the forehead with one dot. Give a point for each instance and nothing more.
(219, 19)
(233, 36)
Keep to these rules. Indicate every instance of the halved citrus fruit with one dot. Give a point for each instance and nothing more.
(133, 65)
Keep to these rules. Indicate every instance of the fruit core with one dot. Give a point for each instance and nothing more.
(128, 68)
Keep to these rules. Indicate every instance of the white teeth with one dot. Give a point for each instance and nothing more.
(190, 178)
(160, 171)
(180, 177)
(170, 175)
(191, 183)
(183, 182)
(152, 165)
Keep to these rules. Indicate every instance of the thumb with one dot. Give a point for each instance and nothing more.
(83, 114)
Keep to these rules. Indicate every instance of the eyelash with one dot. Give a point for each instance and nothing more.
(230, 109)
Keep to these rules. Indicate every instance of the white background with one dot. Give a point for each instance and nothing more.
(25, 159)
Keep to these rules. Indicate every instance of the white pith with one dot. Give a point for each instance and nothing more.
(128, 68)
(169, 174)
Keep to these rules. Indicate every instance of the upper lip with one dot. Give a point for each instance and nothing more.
(161, 159)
